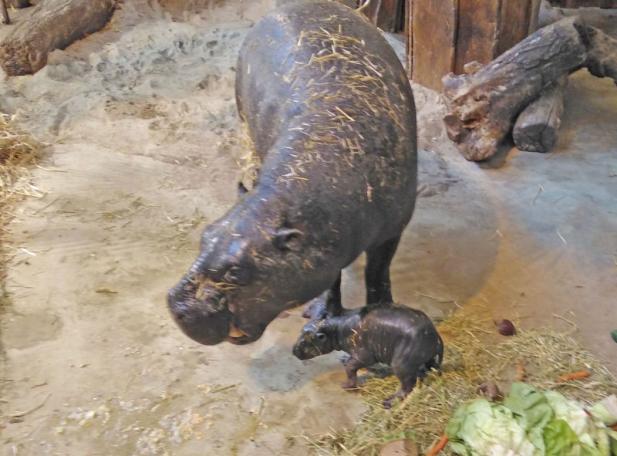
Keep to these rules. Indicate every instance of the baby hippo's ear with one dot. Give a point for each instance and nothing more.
(286, 239)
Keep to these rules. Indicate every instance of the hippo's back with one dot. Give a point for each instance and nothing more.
(329, 107)
(281, 44)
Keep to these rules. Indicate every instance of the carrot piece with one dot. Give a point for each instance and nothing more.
(521, 373)
(578, 375)
(440, 445)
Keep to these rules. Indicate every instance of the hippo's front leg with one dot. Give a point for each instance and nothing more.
(329, 303)
(377, 273)
(352, 366)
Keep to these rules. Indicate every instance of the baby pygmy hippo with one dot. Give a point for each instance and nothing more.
(403, 338)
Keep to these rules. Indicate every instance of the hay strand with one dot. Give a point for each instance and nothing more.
(470, 360)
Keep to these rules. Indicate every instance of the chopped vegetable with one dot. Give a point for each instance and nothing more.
(440, 445)
(578, 375)
(532, 422)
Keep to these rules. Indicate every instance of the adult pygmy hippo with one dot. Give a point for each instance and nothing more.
(331, 115)
(403, 338)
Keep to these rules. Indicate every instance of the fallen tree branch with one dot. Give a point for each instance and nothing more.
(601, 18)
(483, 106)
(54, 24)
(536, 127)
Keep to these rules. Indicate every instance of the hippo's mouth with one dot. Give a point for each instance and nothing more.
(238, 336)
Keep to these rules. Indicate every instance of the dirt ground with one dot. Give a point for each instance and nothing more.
(143, 138)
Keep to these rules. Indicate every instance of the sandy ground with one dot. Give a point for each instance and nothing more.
(143, 139)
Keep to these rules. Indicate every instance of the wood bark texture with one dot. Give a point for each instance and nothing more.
(536, 127)
(432, 41)
(483, 106)
(54, 24)
(586, 3)
(604, 19)
(5, 12)
(20, 3)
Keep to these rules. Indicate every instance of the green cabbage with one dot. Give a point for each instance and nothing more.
(530, 422)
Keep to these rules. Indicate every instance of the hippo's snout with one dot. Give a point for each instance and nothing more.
(304, 351)
(205, 320)
(202, 313)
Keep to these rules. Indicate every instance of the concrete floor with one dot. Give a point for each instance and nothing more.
(143, 143)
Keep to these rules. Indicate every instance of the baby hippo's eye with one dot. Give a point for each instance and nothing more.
(236, 275)
(321, 337)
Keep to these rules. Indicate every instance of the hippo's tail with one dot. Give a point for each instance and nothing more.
(438, 358)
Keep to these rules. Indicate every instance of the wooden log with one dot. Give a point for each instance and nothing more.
(5, 12)
(483, 106)
(604, 19)
(602, 52)
(20, 3)
(54, 24)
(447, 34)
(536, 127)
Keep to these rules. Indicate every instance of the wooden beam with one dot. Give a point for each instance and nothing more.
(433, 25)
(409, 36)
(514, 20)
(477, 35)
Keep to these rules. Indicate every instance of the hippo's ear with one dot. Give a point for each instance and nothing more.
(288, 239)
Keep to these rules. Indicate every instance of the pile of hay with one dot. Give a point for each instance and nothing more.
(18, 153)
(473, 355)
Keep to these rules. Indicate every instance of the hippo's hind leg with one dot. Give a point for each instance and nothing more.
(436, 361)
(408, 376)
(377, 273)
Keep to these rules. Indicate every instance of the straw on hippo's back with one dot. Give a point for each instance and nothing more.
(330, 112)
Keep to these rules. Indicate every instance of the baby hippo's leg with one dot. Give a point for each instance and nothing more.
(407, 375)
(351, 369)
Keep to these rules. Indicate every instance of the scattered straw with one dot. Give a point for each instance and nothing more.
(473, 355)
(18, 153)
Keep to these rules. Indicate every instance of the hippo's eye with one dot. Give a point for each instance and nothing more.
(321, 337)
(234, 274)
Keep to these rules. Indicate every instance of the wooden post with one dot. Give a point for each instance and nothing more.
(432, 39)
(5, 12)
(385, 14)
(447, 34)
